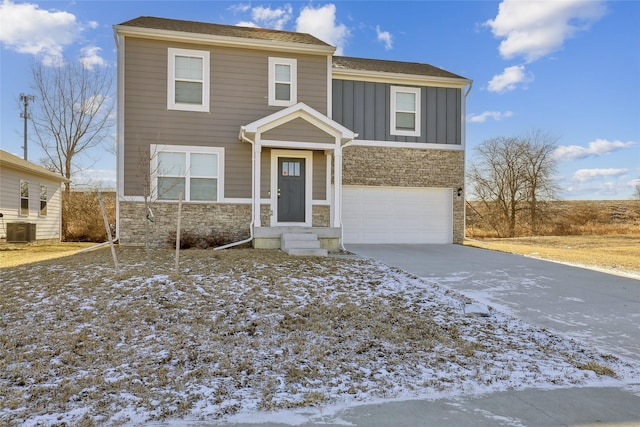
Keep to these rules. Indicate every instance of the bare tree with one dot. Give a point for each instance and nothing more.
(636, 190)
(74, 112)
(512, 175)
(540, 167)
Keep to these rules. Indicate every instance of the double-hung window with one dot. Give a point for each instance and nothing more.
(405, 111)
(193, 171)
(24, 197)
(43, 200)
(283, 82)
(188, 80)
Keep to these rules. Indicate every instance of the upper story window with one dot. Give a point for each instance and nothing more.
(188, 80)
(192, 171)
(43, 200)
(24, 197)
(283, 82)
(405, 111)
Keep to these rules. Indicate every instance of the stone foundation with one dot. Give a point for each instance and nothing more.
(232, 220)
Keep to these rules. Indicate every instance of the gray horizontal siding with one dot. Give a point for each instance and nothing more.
(238, 96)
(365, 108)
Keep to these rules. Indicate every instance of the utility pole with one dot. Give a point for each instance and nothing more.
(26, 116)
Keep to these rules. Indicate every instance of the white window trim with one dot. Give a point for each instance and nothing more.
(187, 149)
(171, 87)
(415, 90)
(293, 63)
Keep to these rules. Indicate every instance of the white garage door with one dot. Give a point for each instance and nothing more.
(397, 215)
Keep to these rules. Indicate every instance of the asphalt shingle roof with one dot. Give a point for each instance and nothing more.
(381, 65)
(151, 22)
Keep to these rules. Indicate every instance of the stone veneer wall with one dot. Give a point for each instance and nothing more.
(321, 216)
(408, 167)
(232, 219)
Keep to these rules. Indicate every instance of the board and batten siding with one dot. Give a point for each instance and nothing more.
(47, 227)
(238, 96)
(365, 108)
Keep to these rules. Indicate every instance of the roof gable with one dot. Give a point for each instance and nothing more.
(300, 111)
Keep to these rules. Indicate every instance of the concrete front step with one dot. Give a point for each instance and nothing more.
(308, 252)
(302, 244)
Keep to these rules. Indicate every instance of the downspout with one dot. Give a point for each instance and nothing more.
(245, 138)
(464, 165)
(341, 195)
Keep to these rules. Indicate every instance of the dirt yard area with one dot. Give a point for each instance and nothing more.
(618, 254)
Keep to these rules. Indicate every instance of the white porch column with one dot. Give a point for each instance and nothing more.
(257, 160)
(337, 185)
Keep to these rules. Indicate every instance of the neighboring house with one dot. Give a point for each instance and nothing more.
(30, 201)
(266, 131)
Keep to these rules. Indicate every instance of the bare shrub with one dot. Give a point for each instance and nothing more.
(198, 240)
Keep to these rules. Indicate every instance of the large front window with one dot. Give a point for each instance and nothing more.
(188, 80)
(282, 81)
(405, 111)
(192, 171)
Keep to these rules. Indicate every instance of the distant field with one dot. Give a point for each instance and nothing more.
(562, 218)
(612, 253)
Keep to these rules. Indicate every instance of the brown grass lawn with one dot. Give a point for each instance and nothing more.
(614, 253)
(246, 330)
(12, 255)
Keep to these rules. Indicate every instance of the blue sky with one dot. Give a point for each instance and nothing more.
(569, 68)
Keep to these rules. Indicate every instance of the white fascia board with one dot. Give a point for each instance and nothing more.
(225, 41)
(397, 78)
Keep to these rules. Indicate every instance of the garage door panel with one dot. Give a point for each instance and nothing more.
(397, 215)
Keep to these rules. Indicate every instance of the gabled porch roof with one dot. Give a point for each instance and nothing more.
(302, 111)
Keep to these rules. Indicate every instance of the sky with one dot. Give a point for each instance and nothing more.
(568, 68)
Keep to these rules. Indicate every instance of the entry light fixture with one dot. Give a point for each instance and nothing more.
(459, 191)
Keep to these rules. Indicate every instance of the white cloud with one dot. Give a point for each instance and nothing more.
(28, 29)
(321, 23)
(385, 37)
(596, 148)
(90, 57)
(584, 175)
(93, 24)
(533, 29)
(495, 115)
(509, 80)
(247, 24)
(240, 8)
(272, 18)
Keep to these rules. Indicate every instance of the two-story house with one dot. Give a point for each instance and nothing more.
(264, 132)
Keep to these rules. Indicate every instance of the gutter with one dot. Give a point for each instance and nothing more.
(243, 137)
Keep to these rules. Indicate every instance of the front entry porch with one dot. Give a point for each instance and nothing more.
(271, 237)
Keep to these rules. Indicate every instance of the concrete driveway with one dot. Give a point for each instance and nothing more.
(600, 309)
(597, 309)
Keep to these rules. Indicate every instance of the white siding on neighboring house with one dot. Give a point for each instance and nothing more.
(14, 170)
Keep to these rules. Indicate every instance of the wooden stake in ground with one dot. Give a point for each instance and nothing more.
(178, 232)
(108, 228)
